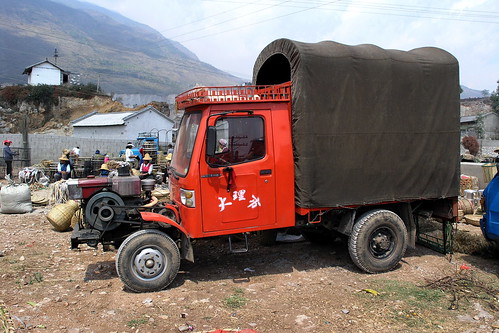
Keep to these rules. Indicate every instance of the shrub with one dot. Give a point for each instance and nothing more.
(41, 94)
(471, 143)
(13, 94)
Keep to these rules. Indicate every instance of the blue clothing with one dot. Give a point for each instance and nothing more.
(8, 154)
(64, 167)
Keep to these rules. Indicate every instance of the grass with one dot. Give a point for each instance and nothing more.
(410, 305)
(429, 306)
(136, 322)
(412, 295)
(475, 244)
(36, 278)
(236, 300)
(5, 323)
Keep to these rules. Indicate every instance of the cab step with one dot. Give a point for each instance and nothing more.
(239, 249)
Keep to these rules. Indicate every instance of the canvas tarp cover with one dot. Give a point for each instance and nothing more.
(369, 125)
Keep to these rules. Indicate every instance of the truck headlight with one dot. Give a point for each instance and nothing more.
(188, 198)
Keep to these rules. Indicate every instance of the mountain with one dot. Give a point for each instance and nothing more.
(99, 46)
(471, 93)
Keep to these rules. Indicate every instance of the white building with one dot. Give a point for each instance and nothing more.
(124, 125)
(46, 72)
(489, 125)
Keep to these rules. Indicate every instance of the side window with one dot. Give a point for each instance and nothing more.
(239, 140)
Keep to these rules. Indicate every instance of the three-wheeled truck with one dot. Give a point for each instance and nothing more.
(332, 139)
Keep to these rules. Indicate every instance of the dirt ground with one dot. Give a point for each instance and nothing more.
(290, 287)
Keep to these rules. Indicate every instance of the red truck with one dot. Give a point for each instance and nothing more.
(332, 139)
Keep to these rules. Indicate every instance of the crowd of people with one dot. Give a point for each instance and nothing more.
(70, 161)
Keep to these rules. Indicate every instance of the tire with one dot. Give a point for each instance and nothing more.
(378, 241)
(143, 248)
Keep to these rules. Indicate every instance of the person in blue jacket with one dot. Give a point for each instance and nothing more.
(8, 156)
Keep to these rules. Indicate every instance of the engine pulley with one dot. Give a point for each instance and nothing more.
(99, 211)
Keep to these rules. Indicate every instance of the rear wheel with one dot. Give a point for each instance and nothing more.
(147, 261)
(378, 241)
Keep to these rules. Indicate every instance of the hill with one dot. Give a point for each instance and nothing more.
(99, 46)
(471, 93)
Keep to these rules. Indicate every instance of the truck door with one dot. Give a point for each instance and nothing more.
(237, 184)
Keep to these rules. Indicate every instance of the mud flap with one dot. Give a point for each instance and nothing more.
(186, 251)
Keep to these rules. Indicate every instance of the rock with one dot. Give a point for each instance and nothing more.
(185, 328)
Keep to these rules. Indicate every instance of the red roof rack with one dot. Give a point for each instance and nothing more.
(219, 95)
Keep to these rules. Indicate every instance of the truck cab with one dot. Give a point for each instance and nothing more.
(232, 169)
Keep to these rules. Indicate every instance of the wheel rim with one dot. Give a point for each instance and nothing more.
(382, 242)
(149, 263)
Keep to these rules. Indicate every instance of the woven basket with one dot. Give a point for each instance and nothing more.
(60, 216)
(76, 217)
(73, 204)
(465, 205)
(473, 219)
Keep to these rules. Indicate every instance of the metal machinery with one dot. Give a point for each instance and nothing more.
(112, 209)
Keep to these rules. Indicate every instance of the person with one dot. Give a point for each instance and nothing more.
(170, 149)
(132, 159)
(98, 155)
(63, 169)
(106, 158)
(168, 163)
(104, 170)
(496, 160)
(222, 146)
(8, 156)
(129, 157)
(146, 167)
(75, 152)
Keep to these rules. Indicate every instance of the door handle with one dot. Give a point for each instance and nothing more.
(265, 172)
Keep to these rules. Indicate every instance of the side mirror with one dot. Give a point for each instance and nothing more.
(211, 141)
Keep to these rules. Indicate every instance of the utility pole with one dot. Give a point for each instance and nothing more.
(26, 156)
(56, 55)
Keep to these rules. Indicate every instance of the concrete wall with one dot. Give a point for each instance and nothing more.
(482, 171)
(103, 132)
(49, 147)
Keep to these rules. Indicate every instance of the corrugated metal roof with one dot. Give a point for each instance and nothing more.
(28, 69)
(468, 119)
(104, 119)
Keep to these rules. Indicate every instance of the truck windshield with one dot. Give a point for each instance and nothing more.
(185, 143)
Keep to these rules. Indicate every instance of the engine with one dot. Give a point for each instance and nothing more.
(106, 204)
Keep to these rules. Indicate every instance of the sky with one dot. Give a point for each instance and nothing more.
(229, 34)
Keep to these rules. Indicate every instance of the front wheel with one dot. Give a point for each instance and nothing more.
(147, 261)
(378, 241)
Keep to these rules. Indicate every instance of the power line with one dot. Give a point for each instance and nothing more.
(302, 6)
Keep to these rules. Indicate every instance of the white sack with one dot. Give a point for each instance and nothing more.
(15, 199)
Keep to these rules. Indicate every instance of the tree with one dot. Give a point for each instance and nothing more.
(479, 128)
(494, 98)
